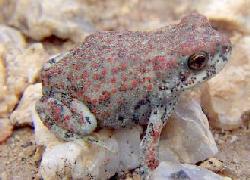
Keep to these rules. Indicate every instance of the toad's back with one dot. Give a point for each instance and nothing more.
(113, 73)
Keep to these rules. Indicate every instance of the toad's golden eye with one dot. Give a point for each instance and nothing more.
(198, 60)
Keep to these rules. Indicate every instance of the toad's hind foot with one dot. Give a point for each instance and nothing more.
(98, 142)
(67, 118)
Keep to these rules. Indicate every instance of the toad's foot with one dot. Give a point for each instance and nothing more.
(67, 118)
(98, 142)
(150, 142)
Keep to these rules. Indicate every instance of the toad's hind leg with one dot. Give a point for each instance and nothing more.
(67, 118)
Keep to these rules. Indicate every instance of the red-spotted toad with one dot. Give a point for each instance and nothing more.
(118, 79)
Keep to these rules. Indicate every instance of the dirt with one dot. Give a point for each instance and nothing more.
(234, 152)
(20, 159)
(17, 157)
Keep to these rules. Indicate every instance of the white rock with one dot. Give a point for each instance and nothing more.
(39, 19)
(171, 171)
(3, 87)
(22, 115)
(186, 137)
(12, 39)
(21, 69)
(11, 42)
(226, 98)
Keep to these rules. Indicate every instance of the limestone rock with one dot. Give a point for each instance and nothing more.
(23, 113)
(11, 43)
(39, 19)
(3, 88)
(226, 98)
(11, 39)
(5, 129)
(228, 14)
(170, 171)
(21, 69)
(187, 135)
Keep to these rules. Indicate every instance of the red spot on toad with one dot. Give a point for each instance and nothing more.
(66, 118)
(94, 65)
(97, 76)
(110, 59)
(149, 87)
(146, 79)
(105, 96)
(123, 87)
(115, 70)
(97, 87)
(134, 83)
(124, 77)
(104, 72)
(113, 91)
(123, 66)
(85, 74)
(113, 80)
(152, 162)
(76, 67)
(161, 63)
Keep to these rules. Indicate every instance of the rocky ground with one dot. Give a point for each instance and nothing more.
(20, 159)
(31, 31)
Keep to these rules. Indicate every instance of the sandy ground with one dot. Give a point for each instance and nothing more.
(234, 152)
(20, 158)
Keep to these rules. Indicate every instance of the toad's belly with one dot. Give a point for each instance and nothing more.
(124, 114)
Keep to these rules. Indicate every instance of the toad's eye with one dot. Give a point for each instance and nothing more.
(198, 60)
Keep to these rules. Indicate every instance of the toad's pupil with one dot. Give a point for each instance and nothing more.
(198, 61)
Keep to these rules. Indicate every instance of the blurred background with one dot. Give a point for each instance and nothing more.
(33, 30)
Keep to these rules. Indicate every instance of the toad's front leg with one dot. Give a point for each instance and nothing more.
(150, 143)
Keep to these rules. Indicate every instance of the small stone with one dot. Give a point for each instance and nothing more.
(218, 167)
(6, 129)
(23, 113)
(169, 170)
(226, 98)
(213, 164)
(233, 139)
(38, 153)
